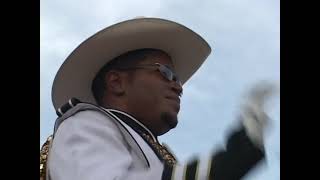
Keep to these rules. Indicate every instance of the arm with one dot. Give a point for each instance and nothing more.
(245, 146)
(232, 163)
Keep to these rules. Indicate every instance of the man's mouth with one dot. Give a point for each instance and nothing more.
(174, 98)
(176, 101)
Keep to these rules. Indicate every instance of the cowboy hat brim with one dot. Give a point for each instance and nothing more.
(187, 49)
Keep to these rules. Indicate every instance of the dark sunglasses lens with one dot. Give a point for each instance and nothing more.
(166, 72)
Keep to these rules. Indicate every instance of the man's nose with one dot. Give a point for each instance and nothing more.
(176, 87)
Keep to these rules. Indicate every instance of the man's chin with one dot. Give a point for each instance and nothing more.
(170, 119)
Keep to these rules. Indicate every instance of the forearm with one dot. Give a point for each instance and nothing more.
(232, 163)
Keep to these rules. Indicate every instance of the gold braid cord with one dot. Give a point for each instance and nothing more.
(162, 150)
(43, 157)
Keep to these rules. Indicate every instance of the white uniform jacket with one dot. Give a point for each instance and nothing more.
(92, 143)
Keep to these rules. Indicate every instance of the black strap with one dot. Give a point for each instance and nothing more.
(70, 104)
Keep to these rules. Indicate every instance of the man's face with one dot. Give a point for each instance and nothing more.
(151, 98)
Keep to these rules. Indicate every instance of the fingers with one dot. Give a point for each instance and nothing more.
(261, 92)
(254, 117)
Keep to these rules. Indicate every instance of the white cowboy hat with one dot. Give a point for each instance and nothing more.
(187, 49)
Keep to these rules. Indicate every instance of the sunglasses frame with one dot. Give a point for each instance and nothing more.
(164, 70)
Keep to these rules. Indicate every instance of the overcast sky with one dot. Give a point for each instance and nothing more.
(245, 39)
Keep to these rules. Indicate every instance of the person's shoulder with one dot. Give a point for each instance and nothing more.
(88, 118)
(86, 127)
(90, 113)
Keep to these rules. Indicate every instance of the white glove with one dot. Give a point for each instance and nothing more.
(253, 115)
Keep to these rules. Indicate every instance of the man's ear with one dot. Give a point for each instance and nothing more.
(115, 83)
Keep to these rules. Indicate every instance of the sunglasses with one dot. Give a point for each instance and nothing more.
(164, 70)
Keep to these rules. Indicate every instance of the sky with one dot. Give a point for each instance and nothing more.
(245, 40)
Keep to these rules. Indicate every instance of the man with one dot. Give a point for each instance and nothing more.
(120, 89)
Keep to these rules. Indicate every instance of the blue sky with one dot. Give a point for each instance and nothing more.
(244, 36)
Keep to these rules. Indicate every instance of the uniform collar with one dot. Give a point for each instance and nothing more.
(132, 122)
